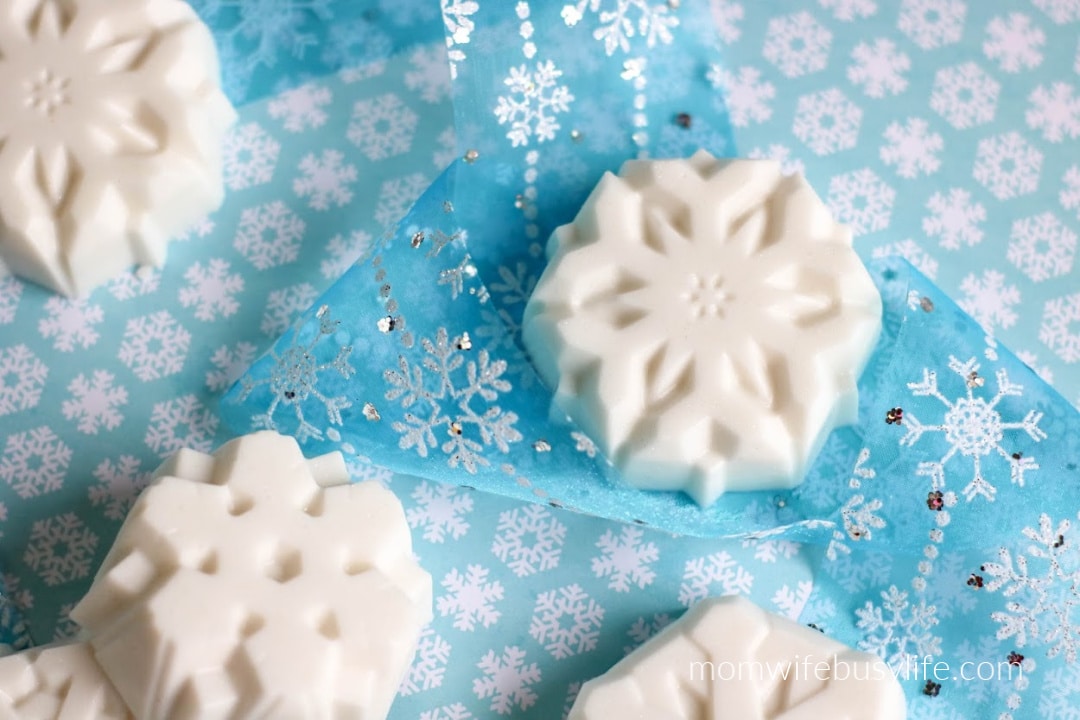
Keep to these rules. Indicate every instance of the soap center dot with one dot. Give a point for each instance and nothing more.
(46, 92)
(706, 296)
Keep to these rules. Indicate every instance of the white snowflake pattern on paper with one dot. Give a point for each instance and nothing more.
(382, 127)
(136, 283)
(1058, 330)
(455, 396)
(965, 95)
(848, 10)
(429, 76)
(726, 15)
(581, 630)
(747, 96)
(95, 402)
(154, 346)
(1043, 589)
(790, 602)
(182, 422)
(703, 576)
(397, 194)
(1007, 165)
(912, 148)
(10, 292)
(528, 540)
(440, 510)
(932, 23)
(1070, 192)
(325, 180)
(249, 157)
(625, 560)
(954, 219)
(1014, 42)
(618, 25)
(301, 108)
(1042, 247)
(797, 44)
(973, 427)
(295, 378)
(269, 235)
(470, 598)
(457, 711)
(507, 680)
(60, 549)
(789, 165)
(879, 68)
(343, 252)
(912, 252)
(827, 121)
(644, 629)
(118, 485)
(71, 324)
(989, 300)
(534, 100)
(457, 17)
(22, 379)
(284, 305)
(428, 667)
(862, 200)
(1054, 110)
(898, 630)
(1060, 11)
(229, 364)
(34, 462)
(211, 290)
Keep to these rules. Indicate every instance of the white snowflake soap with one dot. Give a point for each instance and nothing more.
(705, 322)
(110, 137)
(727, 659)
(61, 682)
(254, 583)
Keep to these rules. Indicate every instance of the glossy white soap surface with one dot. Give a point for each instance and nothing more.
(705, 322)
(727, 659)
(254, 583)
(110, 136)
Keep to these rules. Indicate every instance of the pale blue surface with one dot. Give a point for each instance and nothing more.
(501, 566)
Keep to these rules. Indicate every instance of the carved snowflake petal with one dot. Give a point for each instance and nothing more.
(113, 110)
(713, 279)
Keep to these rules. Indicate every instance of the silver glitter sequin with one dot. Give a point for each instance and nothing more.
(464, 342)
(418, 239)
(926, 304)
(386, 324)
(471, 156)
(370, 412)
(542, 446)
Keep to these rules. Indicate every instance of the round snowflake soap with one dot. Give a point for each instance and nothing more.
(705, 321)
(727, 659)
(254, 583)
(110, 136)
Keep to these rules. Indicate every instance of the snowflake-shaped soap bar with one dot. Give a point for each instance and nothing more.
(57, 683)
(110, 135)
(727, 659)
(254, 583)
(705, 321)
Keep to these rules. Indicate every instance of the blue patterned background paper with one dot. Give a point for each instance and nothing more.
(532, 600)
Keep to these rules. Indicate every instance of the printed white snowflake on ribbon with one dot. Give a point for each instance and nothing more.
(973, 427)
(898, 630)
(618, 24)
(534, 100)
(445, 392)
(1043, 588)
(295, 378)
